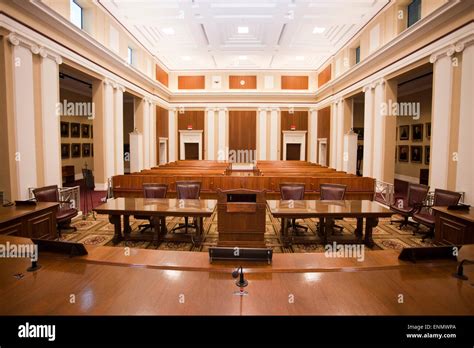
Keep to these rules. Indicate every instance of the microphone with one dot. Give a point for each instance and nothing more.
(460, 271)
(241, 283)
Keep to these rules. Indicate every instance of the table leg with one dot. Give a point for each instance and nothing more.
(358, 231)
(126, 225)
(156, 221)
(324, 229)
(115, 220)
(197, 238)
(370, 223)
(284, 233)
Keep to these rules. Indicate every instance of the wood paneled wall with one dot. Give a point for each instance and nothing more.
(242, 130)
(294, 82)
(250, 82)
(161, 75)
(324, 76)
(299, 119)
(191, 82)
(194, 118)
(161, 129)
(324, 129)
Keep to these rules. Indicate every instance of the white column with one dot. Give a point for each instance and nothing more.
(465, 163)
(146, 133)
(23, 99)
(109, 129)
(153, 139)
(262, 134)
(172, 135)
(378, 135)
(333, 132)
(50, 118)
(350, 153)
(118, 112)
(274, 134)
(313, 135)
(136, 153)
(340, 135)
(368, 130)
(223, 130)
(441, 121)
(210, 130)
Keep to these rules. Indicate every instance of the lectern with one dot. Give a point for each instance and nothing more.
(241, 218)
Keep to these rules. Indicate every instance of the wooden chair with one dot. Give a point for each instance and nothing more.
(152, 191)
(65, 212)
(187, 190)
(295, 192)
(424, 215)
(333, 192)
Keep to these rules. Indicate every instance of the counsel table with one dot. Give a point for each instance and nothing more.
(303, 209)
(115, 208)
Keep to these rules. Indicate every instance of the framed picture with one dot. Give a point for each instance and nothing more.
(428, 130)
(64, 129)
(403, 153)
(360, 133)
(427, 154)
(86, 150)
(75, 150)
(92, 149)
(65, 150)
(75, 130)
(404, 132)
(92, 131)
(85, 130)
(417, 132)
(416, 153)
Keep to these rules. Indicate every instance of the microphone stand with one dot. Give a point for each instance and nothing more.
(460, 271)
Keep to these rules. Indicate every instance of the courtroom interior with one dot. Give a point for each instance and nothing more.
(217, 152)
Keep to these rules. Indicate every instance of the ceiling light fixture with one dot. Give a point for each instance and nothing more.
(243, 30)
(168, 31)
(318, 30)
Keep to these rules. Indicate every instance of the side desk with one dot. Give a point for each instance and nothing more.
(454, 226)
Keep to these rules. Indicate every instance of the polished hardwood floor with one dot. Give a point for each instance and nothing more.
(149, 282)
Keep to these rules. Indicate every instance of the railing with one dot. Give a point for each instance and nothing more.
(383, 192)
(72, 194)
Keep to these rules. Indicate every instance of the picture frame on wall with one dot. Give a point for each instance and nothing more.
(75, 130)
(417, 132)
(416, 153)
(92, 131)
(427, 154)
(360, 133)
(86, 150)
(75, 150)
(403, 153)
(405, 132)
(85, 130)
(65, 150)
(64, 129)
(428, 130)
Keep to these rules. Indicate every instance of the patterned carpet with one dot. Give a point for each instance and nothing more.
(100, 232)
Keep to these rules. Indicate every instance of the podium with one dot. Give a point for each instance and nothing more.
(241, 218)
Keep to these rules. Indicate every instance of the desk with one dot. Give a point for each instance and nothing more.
(454, 226)
(115, 208)
(33, 221)
(323, 210)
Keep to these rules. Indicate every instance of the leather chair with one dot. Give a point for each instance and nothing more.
(65, 212)
(152, 191)
(407, 207)
(424, 215)
(332, 192)
(295, 192)
(187, 190)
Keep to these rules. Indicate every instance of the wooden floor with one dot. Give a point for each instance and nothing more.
(150, 282)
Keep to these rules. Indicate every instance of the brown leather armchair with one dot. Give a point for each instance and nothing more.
(407, 207)
(332, 192)
(65, 212)
(295, 192)
(424, 215)
(187, 190)
(152, 191)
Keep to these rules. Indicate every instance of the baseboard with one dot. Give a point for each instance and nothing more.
(411, 179)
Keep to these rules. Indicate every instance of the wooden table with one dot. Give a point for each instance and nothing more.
(118, 207)
(454, 226)
(327, 211)
(33, 221)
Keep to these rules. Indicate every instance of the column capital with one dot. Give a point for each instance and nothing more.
(119, 87)
(263, 109)
(222, 109)
(337, 100)
(211, 109)
(313, 110)
(274, 108)
(172, 109)
(451, 49)
(45, 52)
(367, 87)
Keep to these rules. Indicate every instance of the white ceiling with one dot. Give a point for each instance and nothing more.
(203, 34)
